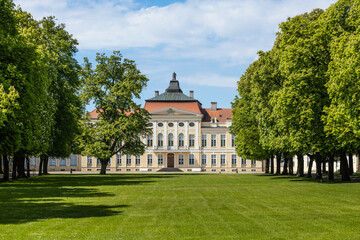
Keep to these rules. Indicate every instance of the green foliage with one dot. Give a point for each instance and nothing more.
(343, 114)
(112, 87)
(7, 103)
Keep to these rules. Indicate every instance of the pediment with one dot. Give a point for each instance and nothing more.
(171, 111)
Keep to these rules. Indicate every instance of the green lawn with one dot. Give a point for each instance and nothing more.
(213, 206)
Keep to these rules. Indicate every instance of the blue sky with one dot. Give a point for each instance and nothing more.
(208, 43)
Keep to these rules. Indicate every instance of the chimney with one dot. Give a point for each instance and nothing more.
(191, 94)
(156, 93)
(213, 106)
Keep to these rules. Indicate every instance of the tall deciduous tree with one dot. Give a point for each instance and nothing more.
(112, 87)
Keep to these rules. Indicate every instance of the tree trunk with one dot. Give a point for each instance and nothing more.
(103, 166)
(345, 173)
(285, 168)
(6, 168)
(1, 165)
(291, 166)
(300, 168)
(318, 160)
(351, 165)
(27, 165)
(267, 161)
(45, 164)
(14, 168)
(331, 167)
(272, 164)
(324, 165)
(278, 161)
(20, 155)
(41, 162)
(310, 166)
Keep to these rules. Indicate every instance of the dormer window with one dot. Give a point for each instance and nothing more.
(213, 120)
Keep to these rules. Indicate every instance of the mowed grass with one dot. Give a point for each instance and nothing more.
(187, 206)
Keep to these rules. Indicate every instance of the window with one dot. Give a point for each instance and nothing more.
(222, 159)
(181, 124)
(52, 161)
(73, 160)
(191, 159)
(97, 161)
(160, 140)
(233, 141)
(213, 159)
(89, 159)
(150, 140)
(149, 158)
(213, 140)
(160, 159)
(137, 160)
(171, 140)
(150, 124)
(181, 140)
(118, 159)
(171, 124)
(192, 124)
(181, 159)
(203, 159)
(222, 140)
(191, 140)
(253, 162)
(233, 159)
(160, 124)
(253, 170)
(62, 162)
(243, 161)
(128, 159)
(203, 140)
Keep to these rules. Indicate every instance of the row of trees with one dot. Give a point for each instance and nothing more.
(39, 87)
(43, 91)
(302, 96)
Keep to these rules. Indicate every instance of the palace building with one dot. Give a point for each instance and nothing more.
(186, 137)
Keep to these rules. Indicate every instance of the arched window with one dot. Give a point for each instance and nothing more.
(160, 140)
(171, 140)
(181, 140)
(149, 140)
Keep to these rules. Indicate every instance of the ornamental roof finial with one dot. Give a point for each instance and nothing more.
(174, 76)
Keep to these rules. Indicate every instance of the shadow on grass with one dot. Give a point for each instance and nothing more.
(38, 198)
(354, 179)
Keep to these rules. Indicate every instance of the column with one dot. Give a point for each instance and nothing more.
(165, 135)
(186, 134)
(176, 137)
(196, 135)
(155, 135)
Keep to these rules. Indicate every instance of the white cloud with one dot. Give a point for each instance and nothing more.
(229, 32)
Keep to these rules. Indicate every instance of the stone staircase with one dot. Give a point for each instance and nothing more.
(170, 170)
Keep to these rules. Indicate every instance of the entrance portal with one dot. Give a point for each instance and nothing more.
(170, 160)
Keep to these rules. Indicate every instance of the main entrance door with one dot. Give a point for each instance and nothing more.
(170, 160)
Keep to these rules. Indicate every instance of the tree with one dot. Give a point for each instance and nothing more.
(59, 49)
(112, 86)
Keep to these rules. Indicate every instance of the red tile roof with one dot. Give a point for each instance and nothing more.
(221, 114)
(194, 107)
(94, 113)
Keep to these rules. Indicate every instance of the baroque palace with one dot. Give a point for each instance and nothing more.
(186, 137)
